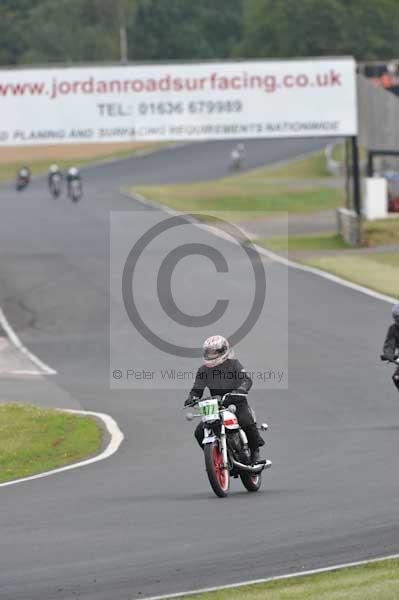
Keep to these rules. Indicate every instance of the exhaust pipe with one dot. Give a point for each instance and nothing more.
(251, 468)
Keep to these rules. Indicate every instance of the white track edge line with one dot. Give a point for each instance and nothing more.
(28, 372)
(117, 438)
(325, 274)
(276, 578)
(16, 342)
(275, 257)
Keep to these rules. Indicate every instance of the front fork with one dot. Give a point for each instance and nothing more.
(210, 437)
(223, 444)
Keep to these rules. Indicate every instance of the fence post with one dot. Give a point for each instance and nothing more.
(357, 197)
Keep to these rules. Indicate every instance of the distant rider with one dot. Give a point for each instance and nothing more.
(23, 177)
(241, 151)
(24, 173)
(237, 156)
(53, 173)
(391, 344)
(73, 175)
(222, 374)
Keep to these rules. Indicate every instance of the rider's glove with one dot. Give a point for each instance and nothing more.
(397, 360)
(189, 402)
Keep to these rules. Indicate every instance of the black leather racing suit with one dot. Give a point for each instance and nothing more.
(391, 349)
(230, 376)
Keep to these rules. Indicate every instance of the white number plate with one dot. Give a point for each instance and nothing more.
(209, 409)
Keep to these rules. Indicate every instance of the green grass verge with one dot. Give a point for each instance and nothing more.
(313, 167)
(339, 153)
(34, 440)
(325, 241)
(378, 271)
(375, 581)
(254, 192)
(381, 233)
(247, 194)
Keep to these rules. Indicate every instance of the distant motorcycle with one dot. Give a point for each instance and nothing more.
(55, 185)
(226, 450)
(235, 160)
(237, 157)
(75, 190)
(23, 179)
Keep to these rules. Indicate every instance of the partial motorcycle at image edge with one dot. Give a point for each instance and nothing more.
(394, 362)
(225, 446)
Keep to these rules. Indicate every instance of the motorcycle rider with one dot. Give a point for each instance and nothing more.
(24, 174)
(223, 374)
(241, 151)
(391, 344)
(23, 178)
(54, 171)
(237, 156)
(73, 175)
(235, 159)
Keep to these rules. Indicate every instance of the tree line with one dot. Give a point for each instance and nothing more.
(79, 31)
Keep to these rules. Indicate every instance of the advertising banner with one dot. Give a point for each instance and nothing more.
(213, 100)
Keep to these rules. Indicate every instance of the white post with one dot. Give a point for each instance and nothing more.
(375, 203)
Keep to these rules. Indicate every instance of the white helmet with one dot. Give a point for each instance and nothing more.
(216, 350)
(73, 171)
(54, 169)
(395, 313)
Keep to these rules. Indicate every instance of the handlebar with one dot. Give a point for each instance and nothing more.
(220, 399)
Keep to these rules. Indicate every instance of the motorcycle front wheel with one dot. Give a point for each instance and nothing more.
(250, 481)
(218, 476)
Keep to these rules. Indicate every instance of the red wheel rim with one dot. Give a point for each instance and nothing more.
(219, 470)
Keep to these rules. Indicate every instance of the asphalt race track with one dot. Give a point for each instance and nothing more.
(145, 522)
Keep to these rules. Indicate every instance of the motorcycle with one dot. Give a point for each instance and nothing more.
(235, 160)
(226, 450)
(75, 191)
(55, 185)
(23, 179)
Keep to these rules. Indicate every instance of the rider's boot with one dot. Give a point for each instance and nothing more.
(255, 441)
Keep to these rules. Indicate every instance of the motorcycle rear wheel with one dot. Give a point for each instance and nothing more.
(219, 478)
